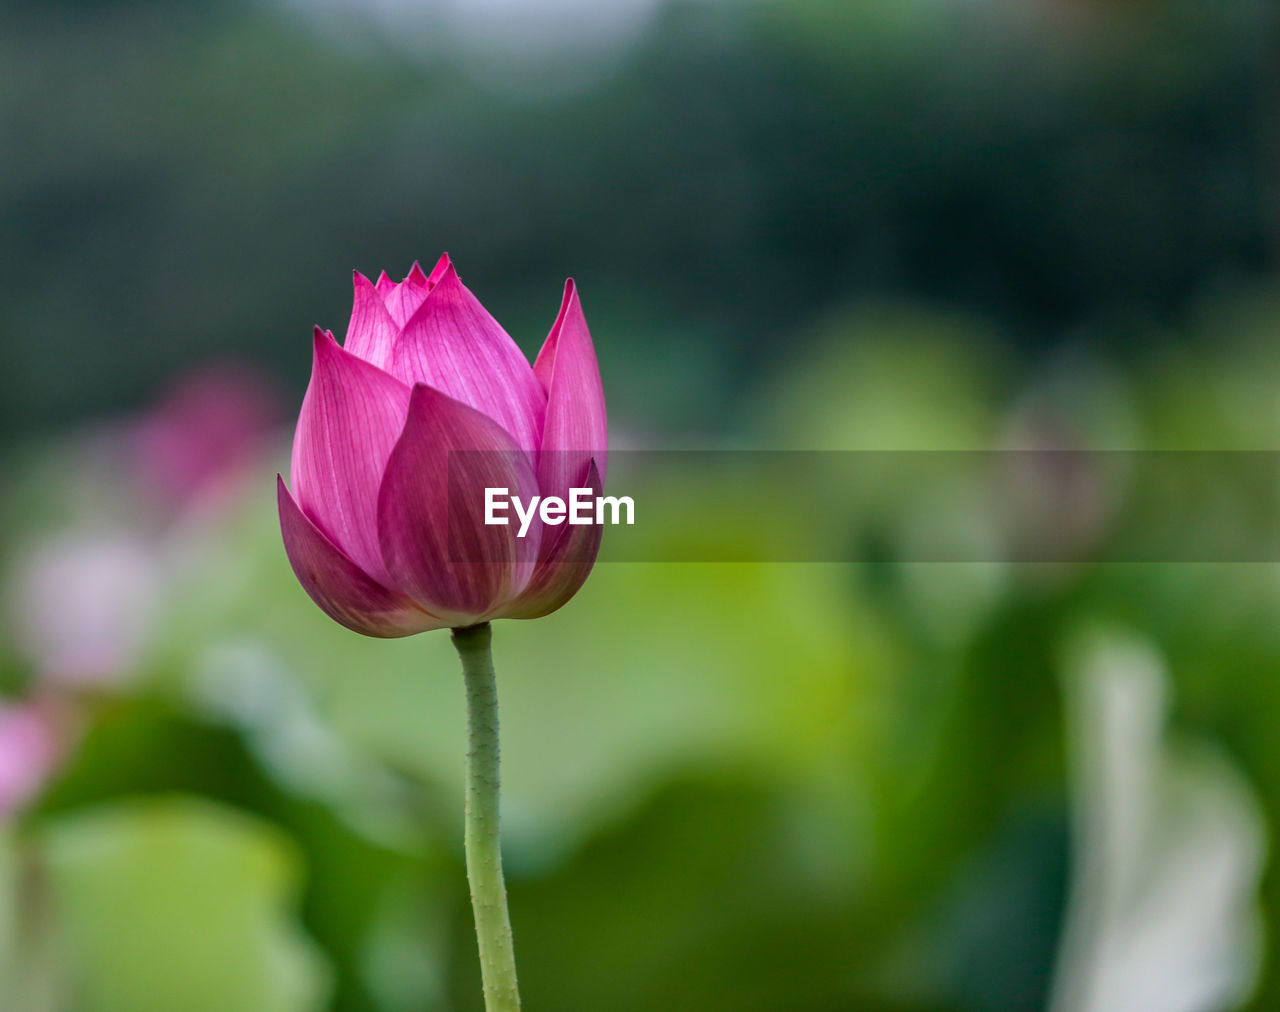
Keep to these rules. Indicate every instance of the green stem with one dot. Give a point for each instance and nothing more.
(484, 854)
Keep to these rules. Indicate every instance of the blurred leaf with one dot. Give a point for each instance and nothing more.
(701, 899)
(181, 904)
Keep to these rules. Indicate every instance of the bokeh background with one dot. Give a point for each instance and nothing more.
(801, 224)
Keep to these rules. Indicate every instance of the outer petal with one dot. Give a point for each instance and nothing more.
(344, 591)
(576, 429)
(351, 417)
(431, 511)
(453, 344)
(567, 556)
(403, 300)
(372, 332)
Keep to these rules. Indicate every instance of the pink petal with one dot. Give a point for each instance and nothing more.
(431, 510)
(351, 417)
(344, 591)
(385, 285)
(438, 271)
(565, 561)
(415, 275)
(372, 332)
(403, 301)
(454, 345)
(576, 429)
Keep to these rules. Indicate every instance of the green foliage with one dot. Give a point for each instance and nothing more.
(160, 900)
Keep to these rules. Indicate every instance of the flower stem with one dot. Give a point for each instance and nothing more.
(484, 854)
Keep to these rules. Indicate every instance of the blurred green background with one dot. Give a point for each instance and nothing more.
(801, 224)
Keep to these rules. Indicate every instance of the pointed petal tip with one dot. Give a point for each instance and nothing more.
(437, 272)
(423, 395)
(371, 331)
(283, 494)
(417, 392)
(416, 274)
(453, 343)
(576, 418)
(569, 301)
(448, 280)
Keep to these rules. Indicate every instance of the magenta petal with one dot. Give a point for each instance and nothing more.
(404, 299)
(454, 345)
(565, 561)
(435, 543)
(575, 429)
(351, 417)
(438, 271)
(344, 591)
(415, 275)
(372, 332)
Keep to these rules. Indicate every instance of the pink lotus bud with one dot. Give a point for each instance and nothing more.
(428, 403)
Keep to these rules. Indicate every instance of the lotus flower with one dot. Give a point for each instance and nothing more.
(427, 403)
